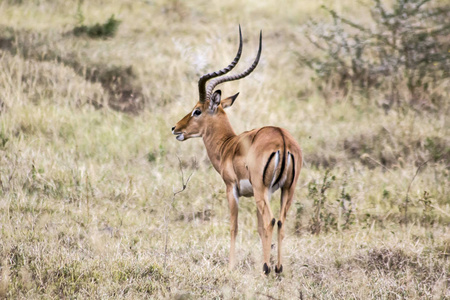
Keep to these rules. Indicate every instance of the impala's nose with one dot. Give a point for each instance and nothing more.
(173, 128)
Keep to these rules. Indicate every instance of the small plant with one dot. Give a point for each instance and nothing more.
(3, 140)
(437, 148)
(428, 209)
(407, 200)
(105, 30)
(80, 14)
(299, 209)
(322, 218)
(346, 207)
(406, 49)
(151, 157)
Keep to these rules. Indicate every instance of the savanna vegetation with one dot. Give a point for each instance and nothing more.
(98, 199)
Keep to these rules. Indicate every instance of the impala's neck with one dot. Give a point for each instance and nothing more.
(215, 135)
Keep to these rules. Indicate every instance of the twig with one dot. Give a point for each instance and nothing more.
(409, 187)
(268, 296)
(10, 177)
(441, 210)
(365, 155)
(166, 226)
(87, 197)
(184, 184)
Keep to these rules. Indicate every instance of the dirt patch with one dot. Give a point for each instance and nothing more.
(203, 215)
(387, 260)
(381, 148)
(6, 43)
(426, 269)
(120, 82)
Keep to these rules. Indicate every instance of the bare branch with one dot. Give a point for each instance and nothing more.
(267, 296)
(409, 187)
(166, 225)
(183, 183)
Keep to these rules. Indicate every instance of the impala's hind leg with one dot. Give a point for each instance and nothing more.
(286, 201)
(266, 223)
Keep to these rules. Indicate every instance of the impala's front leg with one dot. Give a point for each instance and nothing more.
(233, 204)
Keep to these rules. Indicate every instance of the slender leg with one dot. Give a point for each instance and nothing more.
(286, 201)
(233, 205)
(266, 222)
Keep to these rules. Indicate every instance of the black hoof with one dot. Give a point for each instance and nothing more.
(278, 271)
(266, 269)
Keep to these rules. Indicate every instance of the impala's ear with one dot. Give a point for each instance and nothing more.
(215, 100)
(229, 101)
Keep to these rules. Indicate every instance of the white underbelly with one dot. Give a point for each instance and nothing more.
(245, 188)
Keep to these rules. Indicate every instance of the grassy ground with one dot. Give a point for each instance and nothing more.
(89, 167)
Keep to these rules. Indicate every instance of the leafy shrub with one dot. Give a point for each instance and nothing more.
(333, 208)
(105, 30)
(428, 214)
(3, 140)
(323, 217)
(406, 49)
(346, 208)
(299, 210)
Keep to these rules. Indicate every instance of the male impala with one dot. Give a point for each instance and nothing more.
(255, 163)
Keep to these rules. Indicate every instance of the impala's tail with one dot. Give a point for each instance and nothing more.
(279, 169)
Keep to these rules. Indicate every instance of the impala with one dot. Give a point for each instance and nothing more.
(255, 163)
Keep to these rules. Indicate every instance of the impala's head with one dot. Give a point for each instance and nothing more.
(211, 104)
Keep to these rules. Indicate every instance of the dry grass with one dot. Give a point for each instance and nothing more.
(88, 164)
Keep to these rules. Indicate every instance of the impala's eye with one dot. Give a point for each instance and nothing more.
(197, 112)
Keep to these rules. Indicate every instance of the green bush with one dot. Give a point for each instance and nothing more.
(105, 30)
(323, 217)
(405, 53)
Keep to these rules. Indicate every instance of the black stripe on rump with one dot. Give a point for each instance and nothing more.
(293, 170)
(284, 158)
(267, 165)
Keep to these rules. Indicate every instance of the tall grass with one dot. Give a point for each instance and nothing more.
(88, 169)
